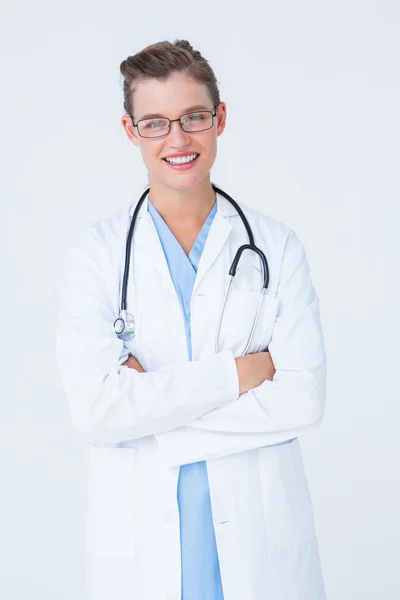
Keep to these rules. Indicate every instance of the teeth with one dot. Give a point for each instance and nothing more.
(182, 159)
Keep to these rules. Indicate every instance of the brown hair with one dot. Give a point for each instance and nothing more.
(160, 60)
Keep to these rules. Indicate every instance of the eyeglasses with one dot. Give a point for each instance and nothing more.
(200, 120)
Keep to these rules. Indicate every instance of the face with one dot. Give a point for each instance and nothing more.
(172, 98)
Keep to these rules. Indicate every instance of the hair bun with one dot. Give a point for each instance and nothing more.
(184, 44)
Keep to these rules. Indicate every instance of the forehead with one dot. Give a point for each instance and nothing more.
(169, 97)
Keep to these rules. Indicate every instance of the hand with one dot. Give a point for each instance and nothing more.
(254, 369)
(132, 363)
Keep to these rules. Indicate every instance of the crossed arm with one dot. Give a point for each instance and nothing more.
(252, 369)
(197, 410)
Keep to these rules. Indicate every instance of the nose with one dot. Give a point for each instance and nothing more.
(177, 137)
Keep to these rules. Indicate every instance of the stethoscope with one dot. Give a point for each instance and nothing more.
(124, 325)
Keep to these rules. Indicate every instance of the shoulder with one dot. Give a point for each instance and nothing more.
(112, 226)
(267, 229)
(101, 234)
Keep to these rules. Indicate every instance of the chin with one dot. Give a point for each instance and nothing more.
(183, 181)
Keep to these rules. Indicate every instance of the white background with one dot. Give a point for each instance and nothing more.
(312, 138)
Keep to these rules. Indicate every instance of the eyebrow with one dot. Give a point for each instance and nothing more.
(187, 110)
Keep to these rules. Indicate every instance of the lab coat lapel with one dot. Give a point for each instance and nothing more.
(150, 252)
(160, 331)
(216, 239)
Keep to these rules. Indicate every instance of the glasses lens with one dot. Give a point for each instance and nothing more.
(197, 121)
(153, 127)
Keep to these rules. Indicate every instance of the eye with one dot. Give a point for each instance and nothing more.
(155, 123)
(195, 116)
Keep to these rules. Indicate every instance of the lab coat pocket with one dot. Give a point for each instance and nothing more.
(287, 503)
(111, 502)
(237, 321)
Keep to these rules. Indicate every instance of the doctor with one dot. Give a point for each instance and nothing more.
(196, 484)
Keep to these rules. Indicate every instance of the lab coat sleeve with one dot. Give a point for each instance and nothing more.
(276, 411)
(108, 401)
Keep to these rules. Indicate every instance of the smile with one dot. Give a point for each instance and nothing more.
(181, 163)
(179, 160)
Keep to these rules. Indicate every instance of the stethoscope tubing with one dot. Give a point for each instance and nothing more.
(232, 271)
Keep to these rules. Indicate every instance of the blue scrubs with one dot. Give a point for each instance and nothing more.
(201, 579)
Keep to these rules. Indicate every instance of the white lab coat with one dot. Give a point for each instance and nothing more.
(142, 426)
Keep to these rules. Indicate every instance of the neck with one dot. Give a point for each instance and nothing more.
(186, 207)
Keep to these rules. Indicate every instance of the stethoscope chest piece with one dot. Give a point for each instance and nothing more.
(124, 326)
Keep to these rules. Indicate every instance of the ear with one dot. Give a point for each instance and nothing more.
(221, 117)
(130, 130)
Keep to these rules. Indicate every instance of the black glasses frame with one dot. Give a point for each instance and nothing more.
(213, 113)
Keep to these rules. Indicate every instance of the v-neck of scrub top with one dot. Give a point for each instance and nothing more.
(183, 268)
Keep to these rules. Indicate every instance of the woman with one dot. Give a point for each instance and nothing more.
(197, 488)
